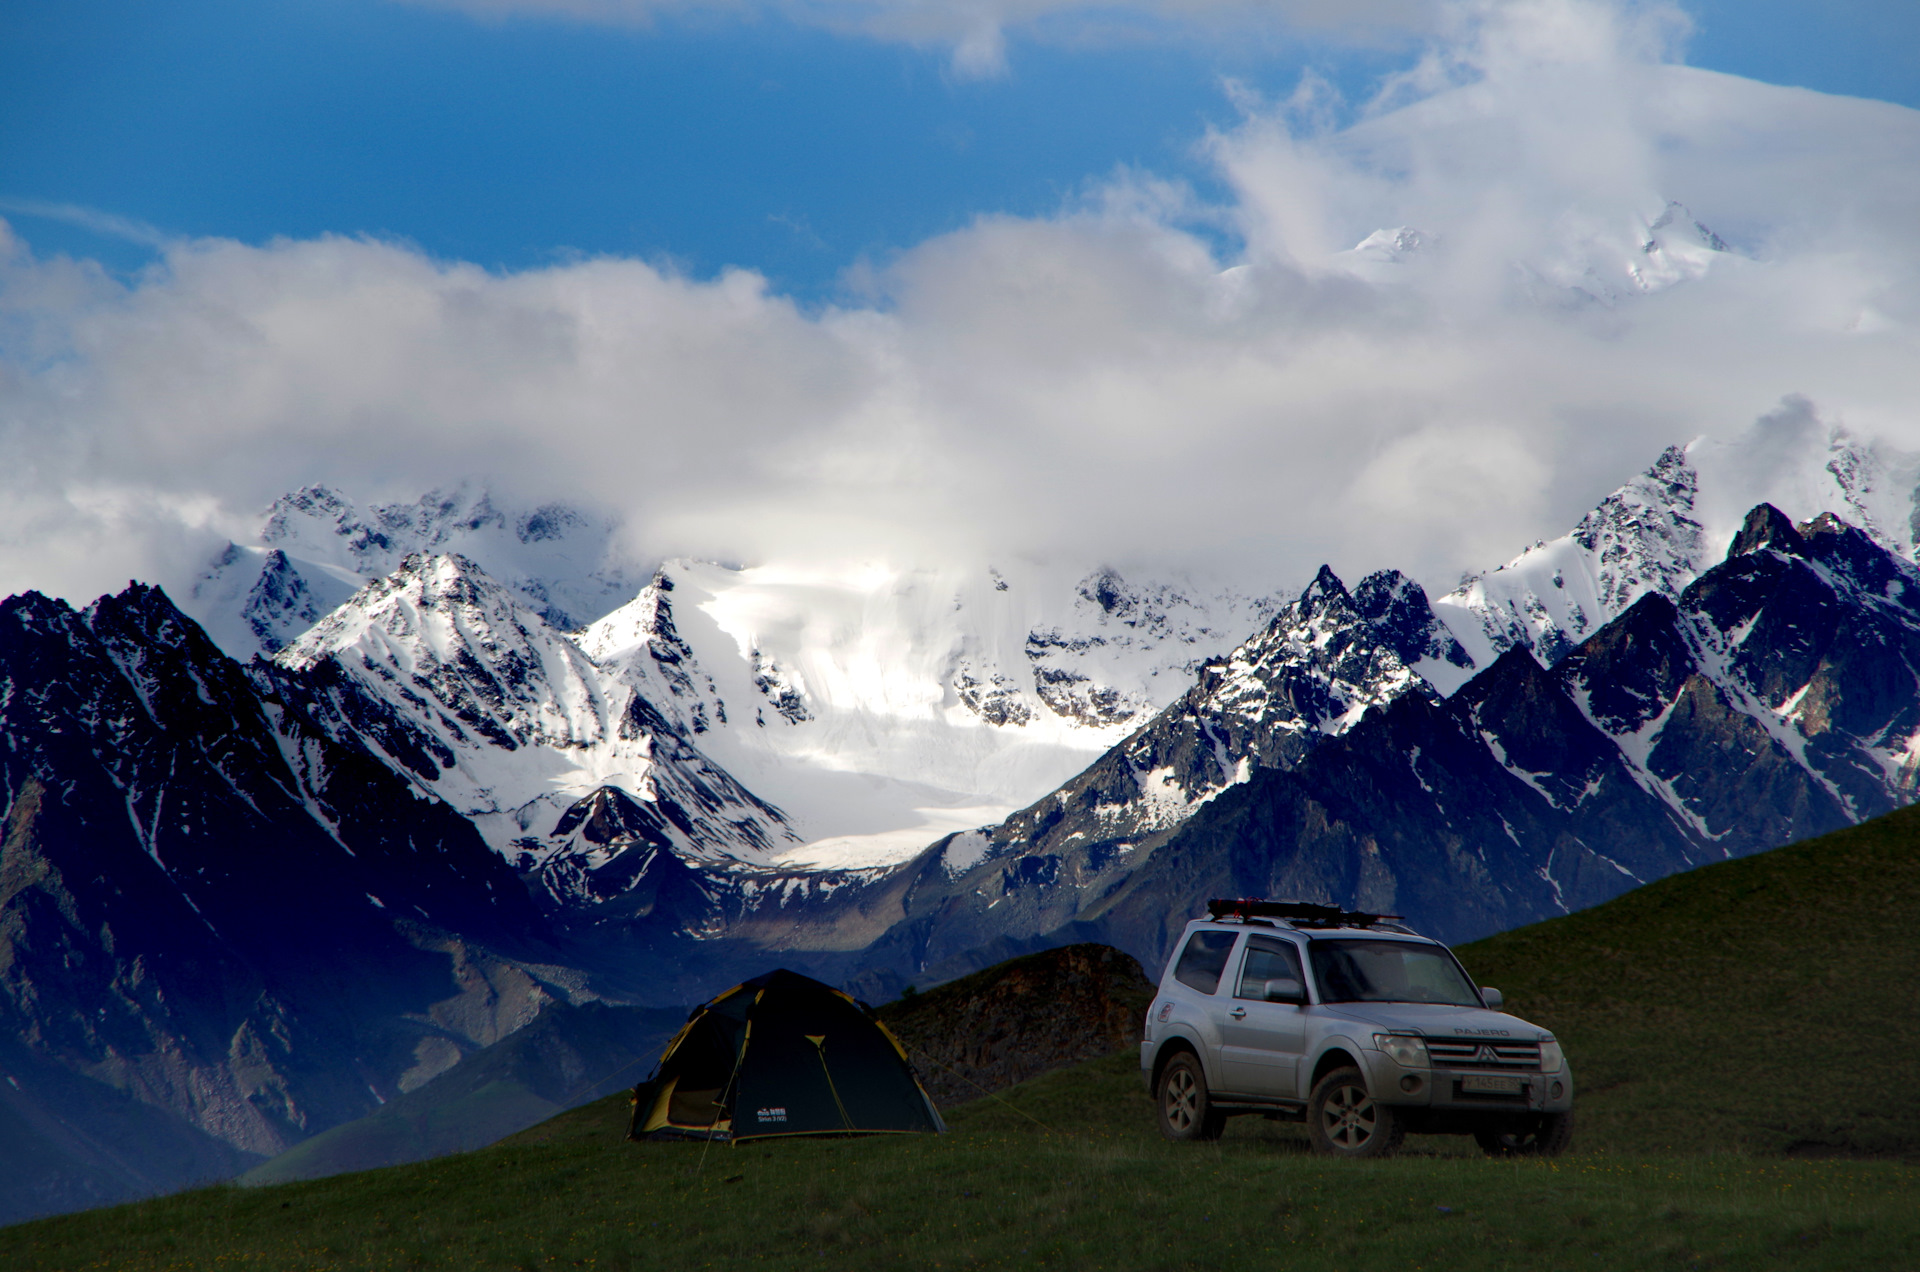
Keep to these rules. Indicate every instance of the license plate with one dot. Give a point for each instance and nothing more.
(1492, 1083)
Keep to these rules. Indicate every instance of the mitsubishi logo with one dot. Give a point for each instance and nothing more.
(1486, 1055)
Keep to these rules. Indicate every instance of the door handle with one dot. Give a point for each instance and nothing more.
(1238, 1013)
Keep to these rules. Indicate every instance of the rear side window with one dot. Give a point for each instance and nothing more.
(1203, 960)
(1268, 958)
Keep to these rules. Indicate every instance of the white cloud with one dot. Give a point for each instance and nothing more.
(87, 218)
(1091, 386)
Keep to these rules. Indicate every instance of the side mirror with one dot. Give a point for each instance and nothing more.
(1494, 998)
(1286, 991)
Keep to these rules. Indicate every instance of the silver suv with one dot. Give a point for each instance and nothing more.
(1357, 1026)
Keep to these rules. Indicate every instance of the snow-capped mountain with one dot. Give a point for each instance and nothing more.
(878, 706)
(1317, 667)
(846, 718)
(478, 699)
(1776, 699)
(1666, 527)
(818, 718)
(316, 547)
(882, 708)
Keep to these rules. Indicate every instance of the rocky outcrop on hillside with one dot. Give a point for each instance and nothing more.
(1021, 1018)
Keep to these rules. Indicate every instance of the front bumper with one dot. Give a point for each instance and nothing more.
(1451, 1090)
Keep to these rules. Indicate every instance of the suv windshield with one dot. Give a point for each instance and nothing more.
(1388, 972)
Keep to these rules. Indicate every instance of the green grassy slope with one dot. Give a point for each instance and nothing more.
(1717, 1021)
(1767, 1004)
(1100, 1191)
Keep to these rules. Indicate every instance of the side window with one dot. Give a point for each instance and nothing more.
(1203, 960)
(1268, 958)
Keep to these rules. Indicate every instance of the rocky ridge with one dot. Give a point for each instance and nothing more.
(1663, 529)
(480, 701)
(1774, 700)
(221, 929)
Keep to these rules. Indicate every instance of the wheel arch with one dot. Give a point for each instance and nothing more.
(1177, 1044)
(1338, 1056)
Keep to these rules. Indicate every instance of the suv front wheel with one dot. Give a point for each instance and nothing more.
(1344, 1121)
(1547, 1135)
(1185, 1111)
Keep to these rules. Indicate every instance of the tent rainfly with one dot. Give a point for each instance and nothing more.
(781, 1054)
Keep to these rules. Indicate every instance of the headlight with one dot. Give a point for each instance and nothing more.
(1551, 1059)
(1405, 1050)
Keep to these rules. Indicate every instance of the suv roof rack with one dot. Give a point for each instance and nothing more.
(1296, 913)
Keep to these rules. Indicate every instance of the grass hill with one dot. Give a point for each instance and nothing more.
(1725, 1026)
(1766, 1004)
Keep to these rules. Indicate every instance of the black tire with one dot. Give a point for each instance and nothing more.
(1544, 1135)
(1185, 1111)
(1344, 1121)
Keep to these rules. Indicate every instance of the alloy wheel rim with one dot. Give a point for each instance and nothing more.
(1180, 1100)
(1348, 1117)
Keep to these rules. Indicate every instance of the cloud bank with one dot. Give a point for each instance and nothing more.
(1096, 386)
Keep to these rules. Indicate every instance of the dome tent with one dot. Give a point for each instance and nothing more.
(781, 1054)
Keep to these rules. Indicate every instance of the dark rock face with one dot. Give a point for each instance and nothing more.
(1398, 609)
(620, 862)
(1019, 1019)
(234, 927)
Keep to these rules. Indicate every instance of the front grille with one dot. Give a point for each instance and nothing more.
(1483, 1053)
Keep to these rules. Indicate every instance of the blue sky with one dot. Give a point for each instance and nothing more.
(706, 141)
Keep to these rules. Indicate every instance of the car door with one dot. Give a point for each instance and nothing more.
(1201, 969)
(1261, 1042)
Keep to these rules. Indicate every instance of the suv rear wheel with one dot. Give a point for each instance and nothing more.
(1185, 1111)
(1344, 1121)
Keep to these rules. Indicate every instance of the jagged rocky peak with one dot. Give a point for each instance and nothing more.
(320, 513)
(437, 659)
(1765, 527)
(1398, 609)
(644, 625)
(1642, 538)
(441, 616)
(1310, 672)
(1855, 562)
(327, 524)
(1660, 531)
(439, 629)
(282, 603)
(1318, 665)
(1775, 699)
(640, 643)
